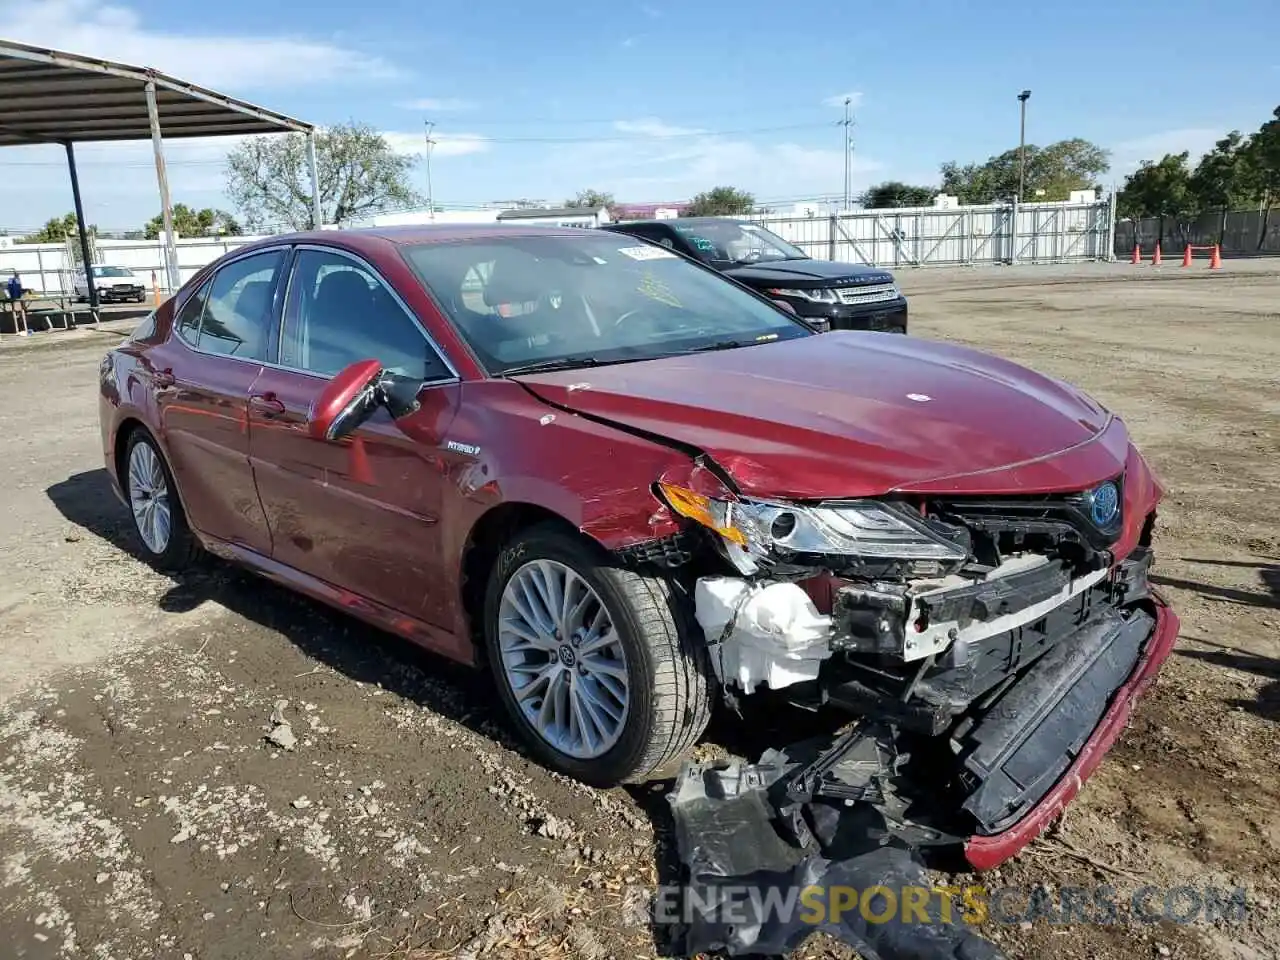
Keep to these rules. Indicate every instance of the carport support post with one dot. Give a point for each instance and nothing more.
(316, 222)
(166, 210)
(82, 230)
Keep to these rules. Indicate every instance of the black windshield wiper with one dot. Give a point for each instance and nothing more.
(728, 345)
(560, 363)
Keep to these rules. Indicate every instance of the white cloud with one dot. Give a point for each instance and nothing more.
(653, 165)
(653, 127)
(223, 61)
(1127, 155)
(837, 99)
(650, 11)
(446, 144)
(439, 104)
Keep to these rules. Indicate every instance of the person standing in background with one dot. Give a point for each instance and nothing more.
(19, 307)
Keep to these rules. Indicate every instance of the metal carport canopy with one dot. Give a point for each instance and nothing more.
(48, 96)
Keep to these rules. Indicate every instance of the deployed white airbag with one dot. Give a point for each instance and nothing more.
(768, 633)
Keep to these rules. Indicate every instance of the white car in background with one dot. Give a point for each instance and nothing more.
(114, 284)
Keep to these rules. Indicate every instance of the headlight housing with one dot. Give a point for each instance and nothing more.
(865, 529)
(820, 295)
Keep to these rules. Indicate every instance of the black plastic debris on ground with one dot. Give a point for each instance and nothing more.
(772, 849)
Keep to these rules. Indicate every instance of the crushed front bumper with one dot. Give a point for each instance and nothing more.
(984, 742)
(985, 852)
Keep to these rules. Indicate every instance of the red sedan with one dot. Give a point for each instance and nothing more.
(632, 487)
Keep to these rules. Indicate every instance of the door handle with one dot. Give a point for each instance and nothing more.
(266, 405)
(164, 378)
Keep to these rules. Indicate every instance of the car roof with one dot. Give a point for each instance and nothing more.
(429, 233)
(374, 241)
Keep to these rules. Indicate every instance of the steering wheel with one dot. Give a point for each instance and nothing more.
(629, 313)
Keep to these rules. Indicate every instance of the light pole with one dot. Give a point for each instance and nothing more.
(1023, 97)
(847, 123)
(431, 206)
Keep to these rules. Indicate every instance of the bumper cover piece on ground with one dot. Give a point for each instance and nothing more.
(726, 840)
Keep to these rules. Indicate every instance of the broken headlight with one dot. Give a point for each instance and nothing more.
(869, 529)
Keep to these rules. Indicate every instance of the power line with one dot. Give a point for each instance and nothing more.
(660, 137)
(445, 138)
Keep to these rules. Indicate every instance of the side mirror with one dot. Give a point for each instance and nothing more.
(348, 401)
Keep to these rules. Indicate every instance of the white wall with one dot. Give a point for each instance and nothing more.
(1060, 232)
(46, 267)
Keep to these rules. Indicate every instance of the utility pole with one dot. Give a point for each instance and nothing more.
(847, 123)
(1023, 97)
(431, 205)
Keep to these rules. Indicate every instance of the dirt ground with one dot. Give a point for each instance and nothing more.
(143, 814)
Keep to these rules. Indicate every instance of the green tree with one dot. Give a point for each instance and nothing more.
(57, 230)
(1264, 160)
(188, 222)
(594, 200)
(893, 193)
(269, 180)
(1225, 178)
(1052, 172)
(720, 202)
(1161, 189)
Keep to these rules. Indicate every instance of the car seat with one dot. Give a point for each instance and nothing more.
(518, 278)
(338, 312)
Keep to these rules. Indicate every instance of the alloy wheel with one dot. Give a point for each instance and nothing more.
(149, 497)
(563, 660)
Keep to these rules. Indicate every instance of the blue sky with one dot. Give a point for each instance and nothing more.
(658, 99)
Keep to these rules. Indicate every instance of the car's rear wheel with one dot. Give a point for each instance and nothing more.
(597, 664)
(158, 517)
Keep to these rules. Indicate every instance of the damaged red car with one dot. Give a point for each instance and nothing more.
(630, 488)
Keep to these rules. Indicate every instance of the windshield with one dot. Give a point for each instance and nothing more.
(111, 272)
(591, 298)
(728, 241)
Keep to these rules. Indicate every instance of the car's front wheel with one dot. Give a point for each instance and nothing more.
(158, 517)
(598, 665)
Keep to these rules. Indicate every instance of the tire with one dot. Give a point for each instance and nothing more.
(179, 549)
(668, 699)
(141, 298)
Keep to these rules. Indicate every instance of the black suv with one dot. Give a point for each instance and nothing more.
(837, 296)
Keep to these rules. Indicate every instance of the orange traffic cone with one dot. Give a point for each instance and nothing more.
(1186, 256)
(1137, 253)
(1155, 259)
(1215, 262)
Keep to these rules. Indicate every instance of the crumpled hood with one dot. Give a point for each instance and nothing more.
(857, 414)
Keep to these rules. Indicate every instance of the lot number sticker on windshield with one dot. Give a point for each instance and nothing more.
(647, 253)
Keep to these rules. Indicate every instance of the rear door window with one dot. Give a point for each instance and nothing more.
(230, 314)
